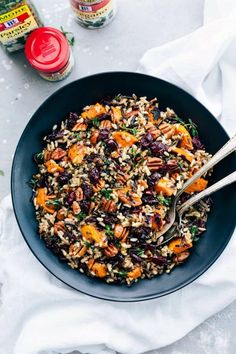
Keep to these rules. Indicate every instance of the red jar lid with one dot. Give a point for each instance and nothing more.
(47, 49)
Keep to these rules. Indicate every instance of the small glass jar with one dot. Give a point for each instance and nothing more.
(17, 19)
(94, 15)
(48, 51)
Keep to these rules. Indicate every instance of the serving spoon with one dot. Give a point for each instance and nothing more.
(226, 149)
(186, 205)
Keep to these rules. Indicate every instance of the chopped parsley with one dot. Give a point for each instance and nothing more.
(164, 200)
(190, 126)
(123, 273)
(134, 130)
(118, 97)
(96, 122)
(108, 231)
(54, 202)
(194, 231)
(69, 36)
(33, 182)
(81, 216)
(77, 135)
(107, 193)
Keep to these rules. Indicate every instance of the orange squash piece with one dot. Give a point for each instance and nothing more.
(76, 153)
(124, 139)
(94, 111)
(99, 269)
(178, 245)
(116, 115)
(183, 152)
(186, 140)
(164, 186)
(199, 185)
(53, 167)
(160, 210)
(91, 233)
(135, 273)
(42, 198)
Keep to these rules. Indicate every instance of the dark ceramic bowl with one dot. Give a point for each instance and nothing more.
(74, 97)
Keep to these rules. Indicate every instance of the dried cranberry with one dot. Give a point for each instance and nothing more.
(146, 140)
(106, 100)
(71, 121)
(135, 258)
(104, 135)
(197, 144)
(159, 260)
(156, 113)
(64, 178)
(148, 246)
(148, 198)
(52, 242)
(117, 260)
(110, 219)
(70, 198)
(153, 179)
(112, 145)
(94, 175)
(55, 135)
(141, 233)
(201, 223)
(158, 148)
(85, 205)
(87, 189)
(171, 168)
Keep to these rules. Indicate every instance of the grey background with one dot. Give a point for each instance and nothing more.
(138, 26)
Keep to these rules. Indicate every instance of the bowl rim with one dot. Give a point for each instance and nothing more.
(92, 293)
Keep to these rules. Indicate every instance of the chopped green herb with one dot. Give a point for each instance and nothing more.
(87, 244)
(123, 273)
(107, 193)
(134, 130)
(77, 135)
(40, 155)
(69, 36)
(192, 127)
(54, 202)
(108, 231)
(140, 252)
(1, 173)
(81, 216)
(164, 200)
(117, 97)
(96, 122)
(33, 183)
(194, 231)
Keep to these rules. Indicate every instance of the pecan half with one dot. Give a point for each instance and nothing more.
(154, 163)
(47, 155)
(61, 214)
(122, 178)
(109, 205)
(111, 251)
(97, 187)
(121, 232)
(57, 154)
(94, 137)
(59, 226)
(105, 124)
(79, 127)
(167, 129)
(154, 131)
(77, 251)
(76, 208)
(79, 194)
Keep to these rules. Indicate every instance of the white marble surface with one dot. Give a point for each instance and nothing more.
(139, 25)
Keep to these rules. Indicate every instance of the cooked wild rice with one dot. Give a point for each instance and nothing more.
(107, 178)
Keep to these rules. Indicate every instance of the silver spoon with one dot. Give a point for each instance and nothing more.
(227, 149)
(185, 206)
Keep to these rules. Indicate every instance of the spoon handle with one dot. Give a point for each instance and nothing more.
(227, 149)
(215, 187)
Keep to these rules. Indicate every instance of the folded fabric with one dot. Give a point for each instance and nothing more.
(41, 315)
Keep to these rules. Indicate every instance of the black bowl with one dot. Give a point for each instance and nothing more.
(74, 97)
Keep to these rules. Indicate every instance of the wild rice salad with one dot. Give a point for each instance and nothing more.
(107, 178)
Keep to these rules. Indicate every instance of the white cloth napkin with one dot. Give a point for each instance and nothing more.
(40, 315)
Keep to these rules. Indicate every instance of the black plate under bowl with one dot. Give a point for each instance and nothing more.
(74, 97)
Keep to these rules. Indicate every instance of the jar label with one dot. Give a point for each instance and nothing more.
(15, 24)
(93, 12)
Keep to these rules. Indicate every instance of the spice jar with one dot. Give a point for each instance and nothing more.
(94, 15)
(48, 51)
(17, 19)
